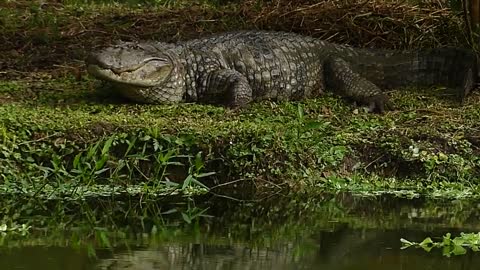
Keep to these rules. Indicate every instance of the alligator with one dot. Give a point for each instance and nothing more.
(237, 68)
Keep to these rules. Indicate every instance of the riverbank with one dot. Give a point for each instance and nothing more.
(65, 137)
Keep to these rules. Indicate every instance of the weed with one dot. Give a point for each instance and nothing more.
(449, 246)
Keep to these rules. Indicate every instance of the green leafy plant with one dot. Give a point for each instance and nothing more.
(449, 246)
(14, 229)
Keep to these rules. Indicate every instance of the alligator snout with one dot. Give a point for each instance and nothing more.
(93, 59)
(98, 60)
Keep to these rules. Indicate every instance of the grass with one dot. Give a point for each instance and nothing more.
(69, 127)
(65, 137)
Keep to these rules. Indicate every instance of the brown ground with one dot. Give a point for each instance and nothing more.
(55, 38)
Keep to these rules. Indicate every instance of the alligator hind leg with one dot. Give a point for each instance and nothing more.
(227, 87)
(347, 83)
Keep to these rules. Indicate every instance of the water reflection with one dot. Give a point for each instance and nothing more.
(332, 232)
(340, 232)
(349, 249)
(44, 257)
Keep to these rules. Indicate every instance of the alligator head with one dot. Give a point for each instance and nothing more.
(144, 72)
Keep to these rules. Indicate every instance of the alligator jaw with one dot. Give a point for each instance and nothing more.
(120, 78)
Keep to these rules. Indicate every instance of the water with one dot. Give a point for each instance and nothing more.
(345, 233)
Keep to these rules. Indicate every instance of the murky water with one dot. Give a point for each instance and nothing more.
(347, 233)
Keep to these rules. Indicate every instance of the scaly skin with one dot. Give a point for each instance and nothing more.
(237, 68)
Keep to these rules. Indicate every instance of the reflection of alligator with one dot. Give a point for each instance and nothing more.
(236, 68)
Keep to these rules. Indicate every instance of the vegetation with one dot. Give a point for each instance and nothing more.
(449, 246)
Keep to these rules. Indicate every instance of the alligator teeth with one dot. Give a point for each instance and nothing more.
(123, 77)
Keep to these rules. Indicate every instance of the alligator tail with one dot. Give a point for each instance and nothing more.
(451, 67)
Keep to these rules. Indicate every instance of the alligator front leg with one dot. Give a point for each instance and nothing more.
(347, 83)
(226, 86)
